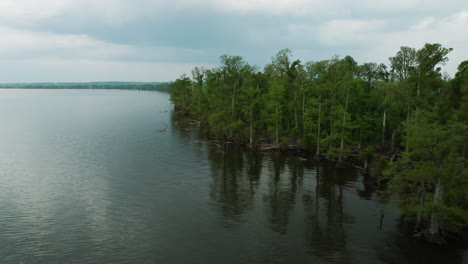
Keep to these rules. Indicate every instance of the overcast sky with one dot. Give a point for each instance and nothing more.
(151, 40)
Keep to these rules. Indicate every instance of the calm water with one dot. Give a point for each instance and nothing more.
(85, 177)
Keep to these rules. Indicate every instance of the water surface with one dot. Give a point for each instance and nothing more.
(86, 177)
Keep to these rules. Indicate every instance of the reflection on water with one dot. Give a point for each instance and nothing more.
(332, 214)
(85, 177)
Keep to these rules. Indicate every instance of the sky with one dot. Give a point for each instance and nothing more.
(158, 40)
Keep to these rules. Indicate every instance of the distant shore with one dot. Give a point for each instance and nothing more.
(147, 86)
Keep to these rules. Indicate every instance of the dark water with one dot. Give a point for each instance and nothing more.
(85, 177)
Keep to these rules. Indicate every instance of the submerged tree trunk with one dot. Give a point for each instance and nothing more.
(422, 193)
(433, 234)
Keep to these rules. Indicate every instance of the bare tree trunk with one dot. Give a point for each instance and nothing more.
(303, 113)
(251, 128)
(232, 101)
(317, 153)
(434, 234)
(383, 127)
(233, 96)
(332, 112)
(393, 140)
(294, 95)
(340, 159)
(422, 193)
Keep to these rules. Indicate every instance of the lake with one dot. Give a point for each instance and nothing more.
(112, 176)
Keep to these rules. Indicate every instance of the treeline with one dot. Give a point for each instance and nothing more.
(406, 123)
(147, 86)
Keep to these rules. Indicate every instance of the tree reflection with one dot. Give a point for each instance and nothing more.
(281, 195)
(326, 215)
(235, 174)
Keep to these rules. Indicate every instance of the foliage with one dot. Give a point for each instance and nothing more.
(338, 108)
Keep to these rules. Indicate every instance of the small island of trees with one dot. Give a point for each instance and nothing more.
(406, 125)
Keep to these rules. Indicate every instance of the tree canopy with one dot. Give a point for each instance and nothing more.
(407, 120)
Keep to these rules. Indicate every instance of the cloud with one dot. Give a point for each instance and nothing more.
(189, 32)
(19, 43)
(281, 7)
(349, 31)
(31, 9)
(448, 31)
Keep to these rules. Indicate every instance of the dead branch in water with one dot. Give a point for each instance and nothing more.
(164, 129)
(278, 148)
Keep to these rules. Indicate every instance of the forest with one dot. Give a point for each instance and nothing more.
(404, 124)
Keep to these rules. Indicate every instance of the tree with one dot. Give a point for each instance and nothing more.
(403, 64)
(432, 179)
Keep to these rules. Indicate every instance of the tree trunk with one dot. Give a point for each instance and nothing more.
(332, 113)
(383, 127)
(422, 193)
(232, 101)
(317, 153)
(251, 128)
(295, 105)
(303, 113)
(434, 234)
(340, 159)
(393, 140)
(233, 96)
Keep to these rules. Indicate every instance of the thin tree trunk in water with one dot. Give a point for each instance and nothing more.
(383, 127)
(340, 159)
(232, 106)
(317, 153)
(435, 225)
(330, 145)
(393, 140)
(422, 193)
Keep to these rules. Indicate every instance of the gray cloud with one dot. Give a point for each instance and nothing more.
(189, 32)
